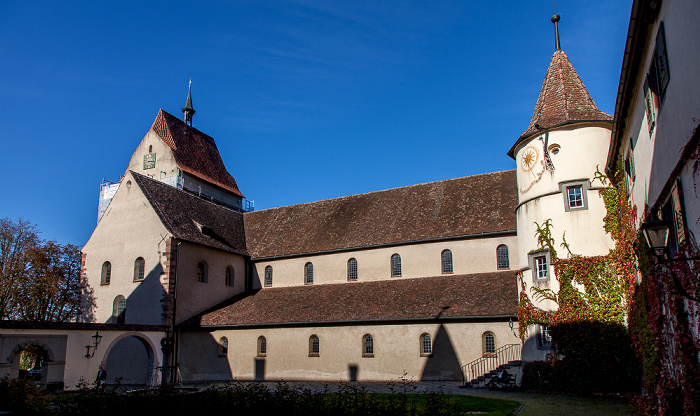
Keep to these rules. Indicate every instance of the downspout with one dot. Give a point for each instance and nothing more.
(176, 336)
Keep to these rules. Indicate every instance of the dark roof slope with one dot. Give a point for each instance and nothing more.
(463, 296)
(455, 207)
(563, 98)
(193, 219)
(194, 151)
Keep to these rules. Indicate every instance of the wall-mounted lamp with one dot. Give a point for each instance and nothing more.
(511, 324)
(656, 233)
(95, 342)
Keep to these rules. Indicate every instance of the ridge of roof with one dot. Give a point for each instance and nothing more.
(184, 214)
(475, 295)
(420, 212)
(382, 191)
(194, 152)
(563, 99)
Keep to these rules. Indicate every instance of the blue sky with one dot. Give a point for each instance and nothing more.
(307, 100)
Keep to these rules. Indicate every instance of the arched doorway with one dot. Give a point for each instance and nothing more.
(130, 361)
(30, 361)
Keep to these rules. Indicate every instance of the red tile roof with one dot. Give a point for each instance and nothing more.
(473, 205)
(563, 98)
(194, 152)
(476, 296)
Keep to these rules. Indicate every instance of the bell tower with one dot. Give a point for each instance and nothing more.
(557, 156)
(188, 110)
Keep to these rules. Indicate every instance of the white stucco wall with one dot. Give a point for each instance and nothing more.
(193, 296)
(129, 229)
(477, 255)
(396, 352)
(656, 154)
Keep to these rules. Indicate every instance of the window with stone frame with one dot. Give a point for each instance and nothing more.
(575, 194)
(447, 266)
(539, 263)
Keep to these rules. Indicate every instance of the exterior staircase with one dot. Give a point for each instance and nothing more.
(480, 371)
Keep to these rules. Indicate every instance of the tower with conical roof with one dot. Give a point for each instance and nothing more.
(557, 156)
(188, 110)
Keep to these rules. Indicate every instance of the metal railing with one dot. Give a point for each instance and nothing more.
(490, 362)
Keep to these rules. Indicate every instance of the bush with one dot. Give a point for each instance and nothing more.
(596, 357)
(22, 397)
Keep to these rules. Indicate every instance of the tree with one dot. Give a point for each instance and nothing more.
(39, 280)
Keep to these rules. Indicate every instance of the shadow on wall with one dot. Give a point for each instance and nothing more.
(443, 363)
(86, 311)
(130, 361)
(145, 304)
(204, 356)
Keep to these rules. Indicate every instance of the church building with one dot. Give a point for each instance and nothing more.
(184, 283)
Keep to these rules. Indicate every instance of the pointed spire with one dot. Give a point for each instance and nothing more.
(188, 111)
(555, 20)
(563, 98)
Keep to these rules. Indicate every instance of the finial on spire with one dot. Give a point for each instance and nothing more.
(555, 20)
(188, 110)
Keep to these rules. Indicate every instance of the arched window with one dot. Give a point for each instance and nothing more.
(119, 310)
(268, 276)
(314, 346)
(367, 346)
(352, 269)
(309, 274)
(447, 261)
(488, 343)
(106, 273)
(228, 280)
(223, 347)
(395, 265)
(202, 272)
(262, 346)
(139, 269)
(426, 345)
(502, 256)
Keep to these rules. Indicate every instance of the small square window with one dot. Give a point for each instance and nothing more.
(539, 263)
(575, 194)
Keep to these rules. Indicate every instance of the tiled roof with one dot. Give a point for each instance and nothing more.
(563, 98)
(194, 151)
(455, 207)
(193, 219)
(463, 296)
